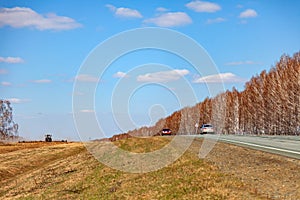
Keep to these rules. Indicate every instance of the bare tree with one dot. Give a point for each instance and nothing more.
(8, 128)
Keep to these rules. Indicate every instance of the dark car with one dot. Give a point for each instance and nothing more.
(166, 131)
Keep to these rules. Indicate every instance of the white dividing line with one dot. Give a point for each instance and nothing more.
(265, 147)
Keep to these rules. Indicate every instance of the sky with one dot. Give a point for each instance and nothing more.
(45, 44)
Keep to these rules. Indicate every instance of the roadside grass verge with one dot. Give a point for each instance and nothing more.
(76, 174)
(187, 178)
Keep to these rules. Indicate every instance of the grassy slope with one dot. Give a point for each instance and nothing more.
(82, 177)
(75, 174)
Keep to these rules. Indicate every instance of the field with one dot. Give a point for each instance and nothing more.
(68, 171)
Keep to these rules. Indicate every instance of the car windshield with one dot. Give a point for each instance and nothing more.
(207, 126)
(166, 129)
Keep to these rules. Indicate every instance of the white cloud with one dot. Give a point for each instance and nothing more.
(4, 83)
(161, 9)
(87, 111)
(203, 6)
(124, 12)
(127, 12)
(17, 100)
(19, 17)
(120, 75)
(247, 62)
(248, 13)
(111, 7)
(163, 76)
(87, 78)
(3, 71)
(170, 19)
(216, 20)
(11, 59)
(220, 78)
(42, 81)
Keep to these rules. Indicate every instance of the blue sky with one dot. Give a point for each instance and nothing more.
(44, 43)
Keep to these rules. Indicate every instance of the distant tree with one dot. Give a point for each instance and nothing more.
(8, 128)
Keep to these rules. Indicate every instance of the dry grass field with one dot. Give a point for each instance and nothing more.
(69, 171)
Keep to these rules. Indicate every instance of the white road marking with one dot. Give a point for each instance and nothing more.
(265, 147)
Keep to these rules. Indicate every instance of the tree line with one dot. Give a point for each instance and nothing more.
(269, 104)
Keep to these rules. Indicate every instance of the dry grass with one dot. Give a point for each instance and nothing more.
(15, 146)
(270, 175)
(70, 172)
(20, 162)
(142, 145)
(187, 178)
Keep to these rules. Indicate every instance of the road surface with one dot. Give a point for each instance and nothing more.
(283, 145)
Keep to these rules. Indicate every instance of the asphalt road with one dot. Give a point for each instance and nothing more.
(283, 145)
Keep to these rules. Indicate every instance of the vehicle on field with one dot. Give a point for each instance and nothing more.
(206, 128)
(48, 138)
(166, 131)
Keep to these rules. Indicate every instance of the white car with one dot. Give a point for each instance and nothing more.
(206, 128)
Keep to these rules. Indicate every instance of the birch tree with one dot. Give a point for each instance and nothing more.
(8, 128)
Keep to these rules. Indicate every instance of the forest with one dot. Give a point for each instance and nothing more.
(269, 104)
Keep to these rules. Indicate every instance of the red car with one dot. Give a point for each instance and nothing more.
(166, 131)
